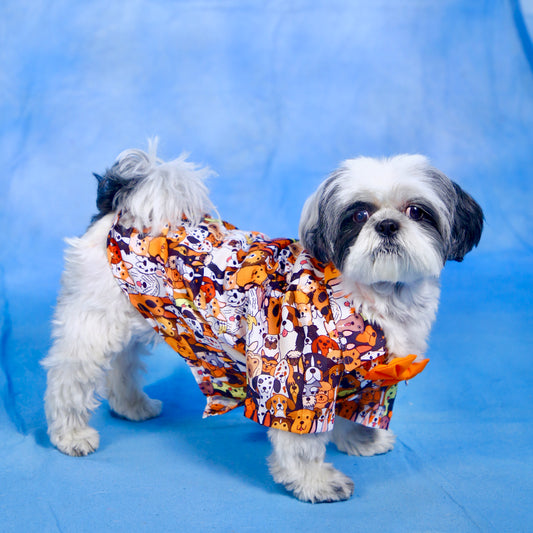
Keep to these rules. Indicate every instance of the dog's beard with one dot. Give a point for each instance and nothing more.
(405, 258)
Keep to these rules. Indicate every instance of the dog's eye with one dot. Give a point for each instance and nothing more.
(414, 212)
(361, 216)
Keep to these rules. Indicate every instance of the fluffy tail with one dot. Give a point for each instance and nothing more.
(150, 192)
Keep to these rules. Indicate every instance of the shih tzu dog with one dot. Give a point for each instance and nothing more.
(311, 337)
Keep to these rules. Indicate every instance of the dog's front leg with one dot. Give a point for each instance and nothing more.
(297, 462)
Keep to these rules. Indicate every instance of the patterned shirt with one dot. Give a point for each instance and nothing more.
(260, 322)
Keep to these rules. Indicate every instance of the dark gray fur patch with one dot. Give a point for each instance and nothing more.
(348, 231)
(112, 187)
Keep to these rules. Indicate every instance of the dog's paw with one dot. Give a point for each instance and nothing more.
(315, 483)
(77, 442)
(142, 408)
(355, 439)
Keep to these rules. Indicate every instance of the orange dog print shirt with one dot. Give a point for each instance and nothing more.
(259, 322)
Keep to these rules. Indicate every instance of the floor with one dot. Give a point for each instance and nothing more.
(272, 97)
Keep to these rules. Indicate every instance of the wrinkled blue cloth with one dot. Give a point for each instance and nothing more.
(273, 96)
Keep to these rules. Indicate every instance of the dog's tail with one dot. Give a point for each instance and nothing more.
(150, 192)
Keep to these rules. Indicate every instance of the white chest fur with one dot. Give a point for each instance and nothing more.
(405, 312)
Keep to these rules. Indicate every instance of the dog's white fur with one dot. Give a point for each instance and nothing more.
(99, 336)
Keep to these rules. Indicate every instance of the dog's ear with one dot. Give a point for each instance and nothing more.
(314, 222)
(466, 227)
(314, 241)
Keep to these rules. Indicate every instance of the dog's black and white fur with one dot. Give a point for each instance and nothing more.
(389, 225)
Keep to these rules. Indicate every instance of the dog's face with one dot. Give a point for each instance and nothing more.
(390, 220)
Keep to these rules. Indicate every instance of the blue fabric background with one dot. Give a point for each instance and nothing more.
(272, 95)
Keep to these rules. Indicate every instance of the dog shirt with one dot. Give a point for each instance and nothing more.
(261, 323)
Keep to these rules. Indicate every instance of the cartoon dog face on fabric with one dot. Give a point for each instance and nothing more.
(278, 405)
(302, 420)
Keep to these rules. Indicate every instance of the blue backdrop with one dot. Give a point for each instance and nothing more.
(272, 95)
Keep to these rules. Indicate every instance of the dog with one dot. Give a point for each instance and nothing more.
(311, 337)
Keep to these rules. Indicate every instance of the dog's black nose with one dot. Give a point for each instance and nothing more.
(387, 227)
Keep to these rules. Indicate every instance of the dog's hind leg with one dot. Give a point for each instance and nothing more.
(93, 323)
(124, 392)
(355, 439)
(297, 462)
